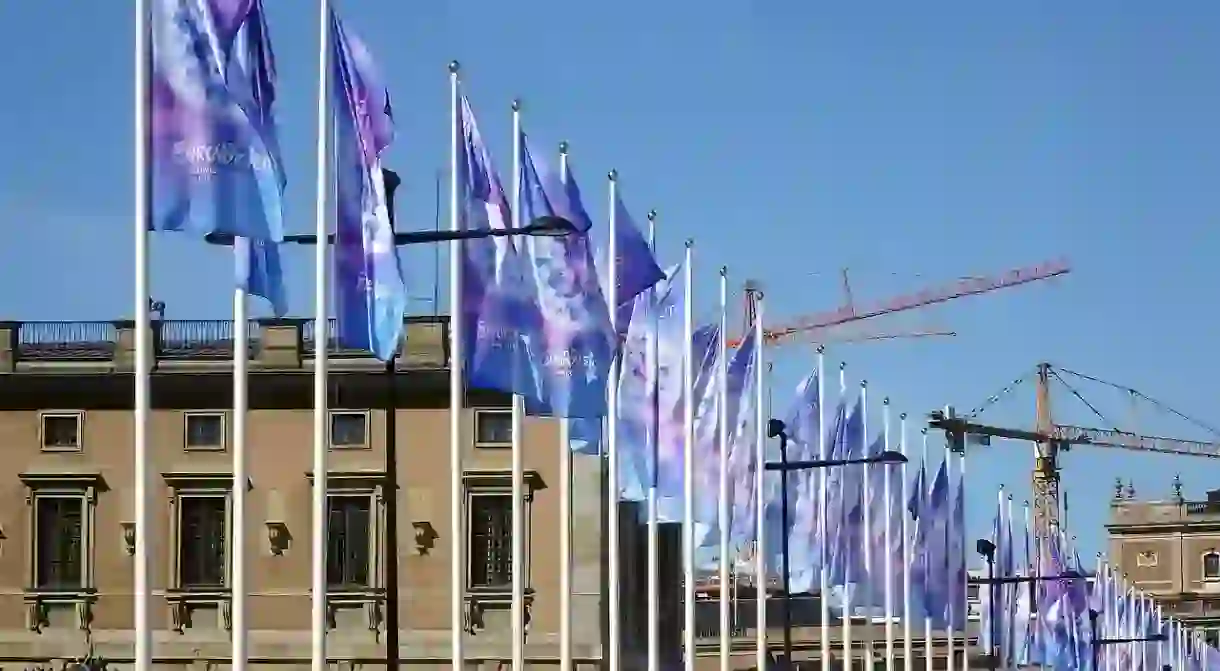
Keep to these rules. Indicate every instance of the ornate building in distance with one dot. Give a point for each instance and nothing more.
(67, 503)
(1170, 549)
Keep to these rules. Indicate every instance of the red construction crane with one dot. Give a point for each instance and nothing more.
(847, 313)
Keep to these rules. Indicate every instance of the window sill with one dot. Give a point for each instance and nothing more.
(479, 600)
(39, 602)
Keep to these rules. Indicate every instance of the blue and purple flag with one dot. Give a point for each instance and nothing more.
(636, 266)
(213, 167)
(252, 79)
(574, 344)
(371, 298)
(498, 314)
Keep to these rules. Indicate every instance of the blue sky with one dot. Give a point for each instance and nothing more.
(912, 144)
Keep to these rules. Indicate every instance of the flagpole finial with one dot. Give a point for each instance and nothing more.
(690, 242)
(563, 147)
(652, 215)
(724, 271)
(924, 431)
(1025, 503)
(1009, 496)
(842, 366)
(885, 401)
(902, 417)
(516, 104)
(612, 175)
(454, 67)
(863, 384)
(821, 349)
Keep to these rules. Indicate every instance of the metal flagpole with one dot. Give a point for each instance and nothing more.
(908, 657)
(654, 522)
(321, 345)
(888, 534)
(688, 469)
(322, 287)
(722, 488)
(1010, 598)
(823, 546)
(928, 659)
(240, 402)
(518, 466)
(614, 569)
(760, 494)
(457, 577)
(143, 341)
(847, 608)
(964, 604)
(950, 642)
(1030, 560)
(565, 506)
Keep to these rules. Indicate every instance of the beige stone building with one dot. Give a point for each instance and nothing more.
(1170, 549)
(67, 500)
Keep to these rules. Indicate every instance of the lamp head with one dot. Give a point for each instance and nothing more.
(776, 428)
(550, 226)
(985, 548)
(891, 457)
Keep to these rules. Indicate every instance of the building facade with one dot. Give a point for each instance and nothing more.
(1170, 549)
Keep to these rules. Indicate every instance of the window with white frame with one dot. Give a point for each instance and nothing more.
(349, 429)
(1211, 565)
(493, 428)
(204, 430)
(61, 513)
(61, 431)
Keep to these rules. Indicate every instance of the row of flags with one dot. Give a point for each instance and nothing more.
(1048, 609)
(547, 319)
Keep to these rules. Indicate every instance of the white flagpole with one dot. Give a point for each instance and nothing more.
(614, 570)
(964, 605)
(240, 403)
(760, 496)
(847, 586)
(928, 658)
(888, 532)
(654, 521)
(688, 471)
(1030, 571)
(457, 496)
(565, 506)
(1157, 650)
(1010, 598)
(518, 448)
(722, 489)
(143, 341)
(994, 637)
(321, 344)
(823, 554)
(908, 662)
(950, 636)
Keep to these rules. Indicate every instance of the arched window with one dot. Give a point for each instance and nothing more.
(1211, 565)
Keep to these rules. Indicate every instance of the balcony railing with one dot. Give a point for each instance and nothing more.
(30, 344)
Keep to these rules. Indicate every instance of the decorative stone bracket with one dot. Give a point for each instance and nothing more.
(181, 603)
(371, 601)
(278, 537)
(479, 602)
(38, 605)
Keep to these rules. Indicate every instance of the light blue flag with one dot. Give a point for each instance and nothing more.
(371, 298)
(213, 165)
(252, 79)
(573, 347)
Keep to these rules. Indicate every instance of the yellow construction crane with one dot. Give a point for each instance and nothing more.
(1051, 438)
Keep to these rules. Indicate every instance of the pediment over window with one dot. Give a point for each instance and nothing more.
(500, 479)
(65, 479)
(200, 480)
(369, 479)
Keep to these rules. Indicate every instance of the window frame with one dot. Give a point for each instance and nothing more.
(182, 600)
(78, 415)
(479, 414)
(1203, 565)
(496, 482)
(181, 499)
(370, 484)
(332, 415)
(82, 486)
(199, 414)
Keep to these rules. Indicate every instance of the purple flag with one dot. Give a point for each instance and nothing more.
(212, 166)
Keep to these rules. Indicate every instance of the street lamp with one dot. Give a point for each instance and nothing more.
(777, 429)
(1096, 643)
(987, 549)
